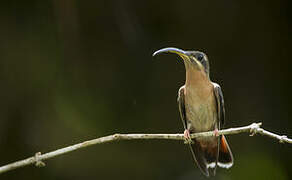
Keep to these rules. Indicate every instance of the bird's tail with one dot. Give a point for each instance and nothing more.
(209, 156)
(225, 159)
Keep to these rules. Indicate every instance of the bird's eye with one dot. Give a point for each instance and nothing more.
(200, 57)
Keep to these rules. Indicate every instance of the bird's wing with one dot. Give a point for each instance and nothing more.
(221, 117)
(225, 157)
(220, 104)
(181, 106)
(196, 150)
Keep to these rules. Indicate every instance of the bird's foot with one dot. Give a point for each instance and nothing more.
(216, 132)
(188, 139)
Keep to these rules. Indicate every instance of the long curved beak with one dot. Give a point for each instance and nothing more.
(177, 51)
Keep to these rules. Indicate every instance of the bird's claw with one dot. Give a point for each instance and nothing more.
(188, 139)
(216, 132)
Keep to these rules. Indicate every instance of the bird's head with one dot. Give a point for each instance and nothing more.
(193, 60)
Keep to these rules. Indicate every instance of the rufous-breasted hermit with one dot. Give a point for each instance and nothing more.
(201, 107)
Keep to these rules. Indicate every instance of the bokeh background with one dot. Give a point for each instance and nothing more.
(76, 70)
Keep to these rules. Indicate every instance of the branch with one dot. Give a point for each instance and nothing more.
(38, 158)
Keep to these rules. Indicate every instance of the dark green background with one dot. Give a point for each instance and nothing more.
(76, 70)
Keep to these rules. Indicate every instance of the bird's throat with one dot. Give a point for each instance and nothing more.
(197, 79)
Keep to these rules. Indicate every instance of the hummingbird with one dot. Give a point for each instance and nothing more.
(201, 107)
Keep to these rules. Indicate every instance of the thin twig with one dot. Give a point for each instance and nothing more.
(39, 158)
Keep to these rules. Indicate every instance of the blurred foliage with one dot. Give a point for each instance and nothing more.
(76, 70)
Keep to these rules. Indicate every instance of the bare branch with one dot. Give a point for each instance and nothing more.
(38, 158)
